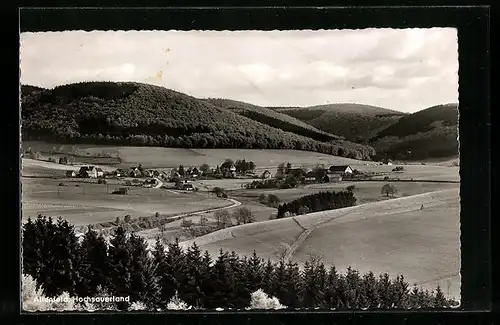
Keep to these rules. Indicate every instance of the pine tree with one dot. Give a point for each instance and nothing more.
(191, 289)
(439, 298)
(354, 288)
(31, 249)
(254, 271)
(278, 278)
(66, 258)
(152, 297)
(291, 286)
(221, 283)
(120, 259)
(240, 294)
(311, 284)
(267, 278)
(142, 278)
(94, 264)
(346, 296)
(371, 297)
(385, 291)
(415, 297)
(331, 296)
(205, 271)
(175, 270)
(160, 263)
(44, 233)
(400, 292)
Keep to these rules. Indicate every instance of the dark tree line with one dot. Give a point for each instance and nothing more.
(59, 263)
(318, 202)
(145, 115)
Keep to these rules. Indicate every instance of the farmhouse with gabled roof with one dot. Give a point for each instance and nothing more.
(343, 169)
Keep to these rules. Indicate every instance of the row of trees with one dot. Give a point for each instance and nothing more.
(317, 202)
(60, 263)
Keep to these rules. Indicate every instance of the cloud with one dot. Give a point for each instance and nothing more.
(406, 69)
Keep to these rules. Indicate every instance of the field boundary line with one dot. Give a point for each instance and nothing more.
(299, 223)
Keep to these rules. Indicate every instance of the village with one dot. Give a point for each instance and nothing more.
(183, 178)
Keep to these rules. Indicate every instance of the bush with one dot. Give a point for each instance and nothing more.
(243, 215)
(33, 298)
(262, 198)
(186, 223)
(126, 219)
(101, 181)
(176, 303)
(388, 189)
(260, 300)
(52, 160)
(222, 218)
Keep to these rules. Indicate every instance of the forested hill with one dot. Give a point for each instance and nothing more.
(354, 122)
(273, 118)
(429, 133)
(138, 114)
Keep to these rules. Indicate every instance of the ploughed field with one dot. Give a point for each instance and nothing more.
(393, 236)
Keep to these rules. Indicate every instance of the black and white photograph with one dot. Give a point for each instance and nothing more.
(240, 170)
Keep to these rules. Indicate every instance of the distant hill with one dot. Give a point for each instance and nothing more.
(355, 122)
(130, 113)
(274, 119)
(429, 133)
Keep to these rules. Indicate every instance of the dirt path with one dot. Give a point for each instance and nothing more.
(234, 204)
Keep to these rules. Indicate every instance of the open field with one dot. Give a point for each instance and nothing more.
(157, 157)
(365, 192)
(392, 236)
(91, 203)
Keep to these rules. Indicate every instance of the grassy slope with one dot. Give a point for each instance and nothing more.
(391, 236)
(141, 114)
(355, 122)
(273, 118)
(158, 157)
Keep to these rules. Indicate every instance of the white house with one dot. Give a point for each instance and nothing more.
(266, 174)
(345, 169)
(90, 171)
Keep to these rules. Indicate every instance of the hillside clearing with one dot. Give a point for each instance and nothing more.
(159, 157)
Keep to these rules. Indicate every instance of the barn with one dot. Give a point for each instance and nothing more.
(343, 169)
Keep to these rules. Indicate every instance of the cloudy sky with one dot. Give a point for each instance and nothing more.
(405, 70)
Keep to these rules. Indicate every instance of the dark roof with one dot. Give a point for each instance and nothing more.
(296, 170)
(338, 168)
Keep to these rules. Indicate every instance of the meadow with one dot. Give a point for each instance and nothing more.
(159, 157)
(90, 203)
(392, 236)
